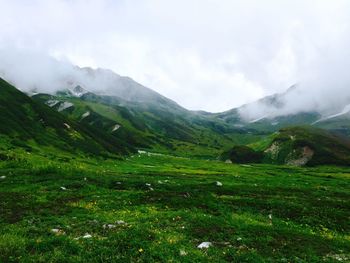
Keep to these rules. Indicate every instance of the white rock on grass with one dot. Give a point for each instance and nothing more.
(87, 235)
(63, 188)
(218, 183)
(120, 222)
(204, 245)
(3, 177)
(57, 231)
(110, 226)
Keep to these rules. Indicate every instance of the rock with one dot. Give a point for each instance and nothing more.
(120, 222)
(87, 235)
(204, 245)
(63, 188)
(116, 127)
(57, 231)
(3, 177)
(110, 226)
(218, 183)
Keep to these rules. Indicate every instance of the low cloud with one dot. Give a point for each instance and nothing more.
(202, 54)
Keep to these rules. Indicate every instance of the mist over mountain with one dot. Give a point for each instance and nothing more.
(324, 93)
(297, 99)
(38, 73)
(228, 54)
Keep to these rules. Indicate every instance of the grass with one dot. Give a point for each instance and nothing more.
(261, 213)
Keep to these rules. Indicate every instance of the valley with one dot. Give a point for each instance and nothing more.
(87, 177)
(174, 131)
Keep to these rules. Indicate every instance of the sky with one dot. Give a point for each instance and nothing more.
(204, 54)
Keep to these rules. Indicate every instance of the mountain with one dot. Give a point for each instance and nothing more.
(295, 146)
(32, 125)
(141, 117)
(138, 117)
(274, 112)
(268, 113)
(149, 126)
(104, 82)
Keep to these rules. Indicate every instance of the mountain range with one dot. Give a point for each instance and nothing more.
(100, 111)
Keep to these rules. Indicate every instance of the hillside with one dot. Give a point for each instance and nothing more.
(163, 126)
(308, 146)
(295, 146)
(32, 125)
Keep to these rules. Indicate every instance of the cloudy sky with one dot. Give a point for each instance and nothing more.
(204, 54)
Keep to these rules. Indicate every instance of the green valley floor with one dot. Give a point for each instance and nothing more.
(158, 208)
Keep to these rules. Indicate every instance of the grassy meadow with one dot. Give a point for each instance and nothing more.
(159, 208)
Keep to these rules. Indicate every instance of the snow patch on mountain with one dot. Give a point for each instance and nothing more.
(346, 110)
(52, 103)
(86, 114)
(258, 119)
(77, 91)
(65, 105)
(116, 127)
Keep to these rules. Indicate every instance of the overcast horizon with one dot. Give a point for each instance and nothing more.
(205, 55)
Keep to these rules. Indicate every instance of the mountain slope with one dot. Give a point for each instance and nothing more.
(27, 123)
(306, 145)
(296, 146)
(158, 126)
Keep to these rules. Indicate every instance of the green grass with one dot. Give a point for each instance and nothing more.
(261, 213)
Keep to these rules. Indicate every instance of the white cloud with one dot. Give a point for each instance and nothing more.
(204, 54)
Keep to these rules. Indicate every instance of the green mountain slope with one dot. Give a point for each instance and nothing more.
(306, 145)
(29, 124)
(158, 126)
(295, 146)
